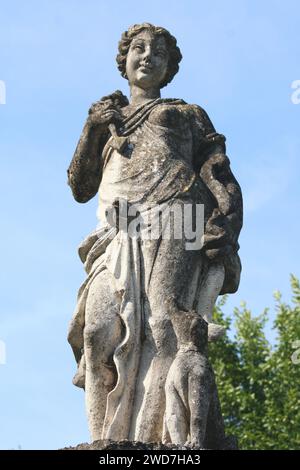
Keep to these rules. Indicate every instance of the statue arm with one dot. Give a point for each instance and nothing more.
(225, 223)
(85, 170)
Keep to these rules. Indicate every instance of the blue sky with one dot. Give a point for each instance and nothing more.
(57, 57)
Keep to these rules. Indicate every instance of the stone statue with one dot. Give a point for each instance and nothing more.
(155, 157)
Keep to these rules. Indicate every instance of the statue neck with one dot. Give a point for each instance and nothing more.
(139, 96)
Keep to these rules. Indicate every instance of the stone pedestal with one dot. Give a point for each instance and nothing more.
(230, 443)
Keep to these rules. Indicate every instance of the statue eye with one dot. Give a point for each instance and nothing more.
(161, 52)
(138, 47)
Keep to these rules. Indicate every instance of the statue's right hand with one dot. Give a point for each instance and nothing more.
(103, 113)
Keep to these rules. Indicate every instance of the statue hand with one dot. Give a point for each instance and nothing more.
(216, 238)
(103, 113)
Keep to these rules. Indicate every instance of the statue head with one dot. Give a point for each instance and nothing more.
(190, 327)
(170, 63)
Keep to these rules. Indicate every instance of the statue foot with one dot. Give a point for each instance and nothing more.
(215, 332)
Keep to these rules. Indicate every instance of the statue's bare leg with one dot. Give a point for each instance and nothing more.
(210, 289)
(102, 334)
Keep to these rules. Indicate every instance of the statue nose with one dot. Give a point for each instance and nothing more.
(148, 55)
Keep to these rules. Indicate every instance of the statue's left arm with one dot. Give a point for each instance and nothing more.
(224, 225)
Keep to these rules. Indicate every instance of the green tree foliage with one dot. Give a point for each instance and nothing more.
(259, 383)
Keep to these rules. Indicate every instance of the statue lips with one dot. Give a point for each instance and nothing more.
(145, 68)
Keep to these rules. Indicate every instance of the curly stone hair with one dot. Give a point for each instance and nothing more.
(174, 51)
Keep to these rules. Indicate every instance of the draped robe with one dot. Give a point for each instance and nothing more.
(161, 164)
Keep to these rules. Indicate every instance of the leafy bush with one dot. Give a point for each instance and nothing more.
(259, 383)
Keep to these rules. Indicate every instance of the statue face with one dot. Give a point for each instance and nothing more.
(147, 60)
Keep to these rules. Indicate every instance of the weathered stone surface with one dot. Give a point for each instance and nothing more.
(191, 389)
(148, 158)
(127, 445)
(229, 444)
